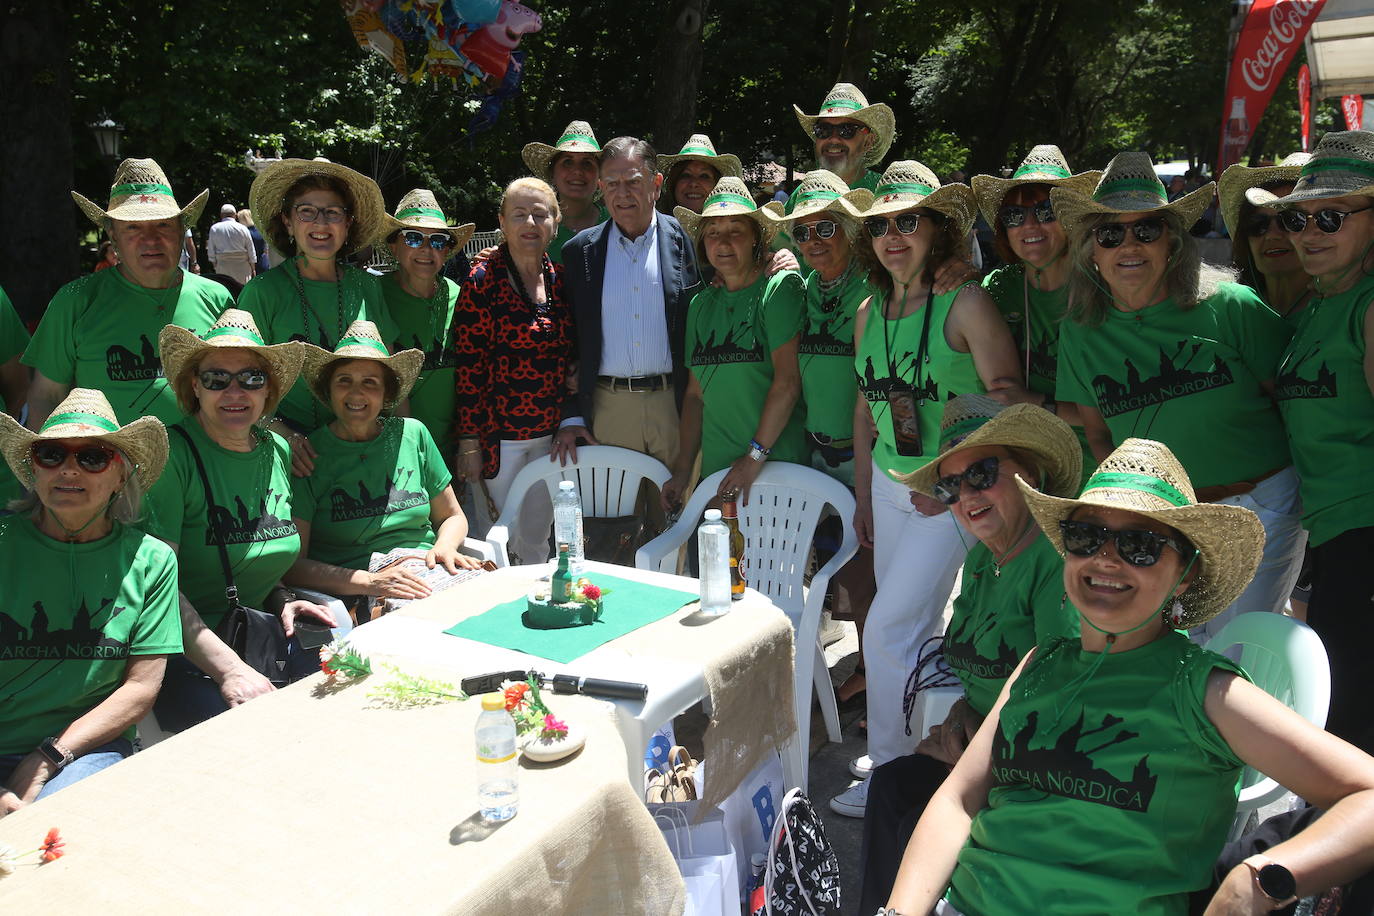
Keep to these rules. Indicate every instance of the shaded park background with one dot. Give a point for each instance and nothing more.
(974, 83)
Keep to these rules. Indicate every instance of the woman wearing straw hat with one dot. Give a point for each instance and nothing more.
(1032, 291)
(1325, 389)
(422, 301)
(1159, 344)
(316, 213)
(90, 601)
(227, 381)
(1260, 249)
(379, 484)
(100, 331)
(570, 166)
(691, 174)
(1106, 773)
(1010, 602)
(742, 402)
(513, 345)
(913, 350)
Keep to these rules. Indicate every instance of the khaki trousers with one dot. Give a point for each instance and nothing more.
(645, 421)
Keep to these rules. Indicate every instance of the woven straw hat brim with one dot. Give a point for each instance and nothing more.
(953, 200)
(1319, 192)
(267, 195)
(537, 156)
(1074, 210)
(852, 204)
(180, 348)
(724, 163)
(143, 441)
(1022, 426)
(461, 234)
(406, 364)
(1241, 182)
(991, 190)
(878, 118)
(1229, 540)
(132, 210)
(692, 222)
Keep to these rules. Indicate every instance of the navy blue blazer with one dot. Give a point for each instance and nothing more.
(584, 269)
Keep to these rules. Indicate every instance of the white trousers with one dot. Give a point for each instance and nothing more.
(529, 536)
(915, 561)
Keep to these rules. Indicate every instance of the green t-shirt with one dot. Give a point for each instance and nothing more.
(370, 497)
(826, 358)
(427, 324)
(565, 232)
(14, 337)
(731, 337)
(100, 331)
(74, 614)
(998, 618)
(1113, 795)
(1327, 406)
(274, 300)
(252, 514)
(1034, 317)
(1187, 378)
(886, 357)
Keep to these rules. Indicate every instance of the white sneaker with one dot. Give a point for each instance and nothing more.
(852, 801)
(832, 631)
(861, 766)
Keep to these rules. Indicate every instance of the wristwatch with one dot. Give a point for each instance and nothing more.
(1274, 881)
(1051, 405)
(757, 451)
(55, 753)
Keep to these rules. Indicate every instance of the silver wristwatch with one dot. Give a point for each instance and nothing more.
(757, 452)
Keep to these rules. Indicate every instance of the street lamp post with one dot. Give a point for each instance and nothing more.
(107, 134)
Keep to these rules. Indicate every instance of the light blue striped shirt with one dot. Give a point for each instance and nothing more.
(634, 322)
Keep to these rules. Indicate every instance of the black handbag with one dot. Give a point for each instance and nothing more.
(255, 636)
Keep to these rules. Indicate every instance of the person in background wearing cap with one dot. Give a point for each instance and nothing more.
(1264, 255)
(100, 331)
(1104, 778)
(1158, 344)
(229, 246)
(90, 601)
(570, 166)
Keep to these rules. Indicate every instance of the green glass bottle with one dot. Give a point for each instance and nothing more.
(560, 585)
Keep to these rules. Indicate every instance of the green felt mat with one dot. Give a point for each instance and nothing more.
(630, 606)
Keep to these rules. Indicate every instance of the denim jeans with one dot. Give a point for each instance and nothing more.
(93, 761)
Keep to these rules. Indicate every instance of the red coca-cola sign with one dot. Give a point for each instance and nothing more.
(1269, 37)
(1305, 105)
(1352, 106)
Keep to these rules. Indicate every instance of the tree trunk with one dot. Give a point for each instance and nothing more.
(678, 75)
(38, 250)
(858, 52)
(839, 33)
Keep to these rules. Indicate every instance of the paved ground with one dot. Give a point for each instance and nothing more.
(829, 773)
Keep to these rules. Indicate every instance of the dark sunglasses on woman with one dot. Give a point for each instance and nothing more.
(906, 224)
(980, 476)
(1257, 224)
(1013, 215)
(846, 131)
(824, 228)
(1147, 230)
(90, 458)
(1134, 545)
(1328, 220)
(219, 379)
(439, 241)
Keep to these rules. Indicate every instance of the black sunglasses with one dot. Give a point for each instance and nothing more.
(846, 131)
(90, 458)
(1257, 224)
(980, 476)
(1135, 546)
(1111, 235)
(825, 229)
(1328, 220)
(439, 241)
(219, 379)
(906, 224)
(1013, 215)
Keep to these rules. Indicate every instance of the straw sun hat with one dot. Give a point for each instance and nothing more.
(1240, 183)
(907, 184)
(1045, 164)
(141, 192)
(730, 197)
(267, 197)
(700, 148)
(235, 329)
(846, 101)
(577, 138)
(361, 341)
(976, 420)
(1341, 165)
(1129, 185)
(87, 414)
(821, 191)
(1144, 477)
(420, 210)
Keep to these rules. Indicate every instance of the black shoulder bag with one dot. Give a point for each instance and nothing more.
(255, 636)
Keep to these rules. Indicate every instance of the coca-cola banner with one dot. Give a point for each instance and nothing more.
(1305, 105)
(1269, 37)
(1352, 106)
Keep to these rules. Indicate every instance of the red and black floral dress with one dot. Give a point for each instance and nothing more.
(512, 357)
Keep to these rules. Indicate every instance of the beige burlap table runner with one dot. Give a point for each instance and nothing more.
(301, 802)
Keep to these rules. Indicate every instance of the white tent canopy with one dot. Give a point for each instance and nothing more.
(1340, 49)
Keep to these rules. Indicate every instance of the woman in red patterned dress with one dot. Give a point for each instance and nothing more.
(513, 339)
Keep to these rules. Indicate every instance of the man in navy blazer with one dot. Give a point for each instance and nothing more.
(629, 281)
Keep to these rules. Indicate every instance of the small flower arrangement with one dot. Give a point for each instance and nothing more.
(339, 658)
(585, 591)
(526, 706)
(51, 849)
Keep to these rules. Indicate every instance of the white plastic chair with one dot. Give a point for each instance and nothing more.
(607, 478)
(778, 525)
(1286, 658)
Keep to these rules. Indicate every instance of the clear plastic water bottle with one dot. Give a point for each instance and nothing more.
(498, 795)
(567, 524)
(713, 543)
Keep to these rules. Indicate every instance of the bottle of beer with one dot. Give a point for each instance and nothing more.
(560, 585)
(730, 516)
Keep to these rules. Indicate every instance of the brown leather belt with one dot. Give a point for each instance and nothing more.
(637, 383)
(1239, 488)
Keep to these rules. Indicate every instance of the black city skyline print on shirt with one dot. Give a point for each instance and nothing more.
(346, 507)
(1067, 767)
(241, 526)
(1180, 373)
(124, 365)
(1290, 384)
(83, 640)
(832, 337)
(730, 349)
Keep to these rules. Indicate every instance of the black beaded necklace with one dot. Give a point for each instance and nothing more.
(308, 310)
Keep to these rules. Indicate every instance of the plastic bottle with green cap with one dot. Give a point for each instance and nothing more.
(498, 796)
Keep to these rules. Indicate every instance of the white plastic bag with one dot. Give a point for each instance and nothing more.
(704, 857)
(751, 811)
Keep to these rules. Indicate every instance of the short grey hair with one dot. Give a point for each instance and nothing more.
(126, 508)
(631, 148)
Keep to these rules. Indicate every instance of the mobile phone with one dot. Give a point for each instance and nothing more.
(312, 635)
(906, 427)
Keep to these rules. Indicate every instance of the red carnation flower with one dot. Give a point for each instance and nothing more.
(591, 592)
